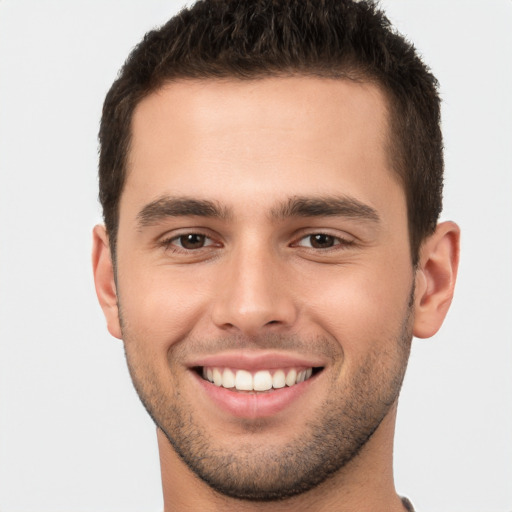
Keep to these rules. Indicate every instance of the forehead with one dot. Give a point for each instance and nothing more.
(224, 139)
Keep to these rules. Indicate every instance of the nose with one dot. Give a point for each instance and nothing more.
(254, 293)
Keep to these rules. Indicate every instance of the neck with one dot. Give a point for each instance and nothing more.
(365, 484)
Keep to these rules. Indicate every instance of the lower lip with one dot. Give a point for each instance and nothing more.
(253, 405)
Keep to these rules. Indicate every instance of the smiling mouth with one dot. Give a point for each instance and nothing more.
(259, 381)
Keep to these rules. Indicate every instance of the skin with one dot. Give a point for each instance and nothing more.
(259, 285)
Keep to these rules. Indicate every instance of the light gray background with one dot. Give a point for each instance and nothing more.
(73, 436)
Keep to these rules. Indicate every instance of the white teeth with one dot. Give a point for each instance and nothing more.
(217, 377)
(228, 378)
(279, 380)
(262, 380)
(291, 377)
(243, 381)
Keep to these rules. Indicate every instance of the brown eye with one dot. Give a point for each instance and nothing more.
(322, 241)
(191, 241)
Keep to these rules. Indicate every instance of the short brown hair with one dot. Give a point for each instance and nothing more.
(249, 39)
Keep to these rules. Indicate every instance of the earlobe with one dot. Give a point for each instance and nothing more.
(104, 279)
(435, 279)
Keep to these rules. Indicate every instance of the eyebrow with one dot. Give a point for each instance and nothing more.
(169, 206)
(330, 206)
(298, 206)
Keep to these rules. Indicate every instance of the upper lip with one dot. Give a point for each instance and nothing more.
(255, 360)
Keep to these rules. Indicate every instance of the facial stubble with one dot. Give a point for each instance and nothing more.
(334, 434)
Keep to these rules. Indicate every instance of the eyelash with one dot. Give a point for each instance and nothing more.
(339, 243)
(169, 244)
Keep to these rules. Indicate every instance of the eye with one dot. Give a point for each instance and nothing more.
(322, 241)
(189, 241)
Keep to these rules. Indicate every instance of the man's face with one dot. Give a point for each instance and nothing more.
(263, 241)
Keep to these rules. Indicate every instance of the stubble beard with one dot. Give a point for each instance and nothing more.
(335, 433)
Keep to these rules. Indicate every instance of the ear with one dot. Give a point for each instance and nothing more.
(435, 279)
(104, 279)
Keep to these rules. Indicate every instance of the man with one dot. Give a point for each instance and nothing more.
(271, 177)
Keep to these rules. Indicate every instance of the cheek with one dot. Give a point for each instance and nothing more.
(361, 308)
(161, 306)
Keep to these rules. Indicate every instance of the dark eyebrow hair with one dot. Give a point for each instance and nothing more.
(168, 206)
(298, 206)
(343, 206)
